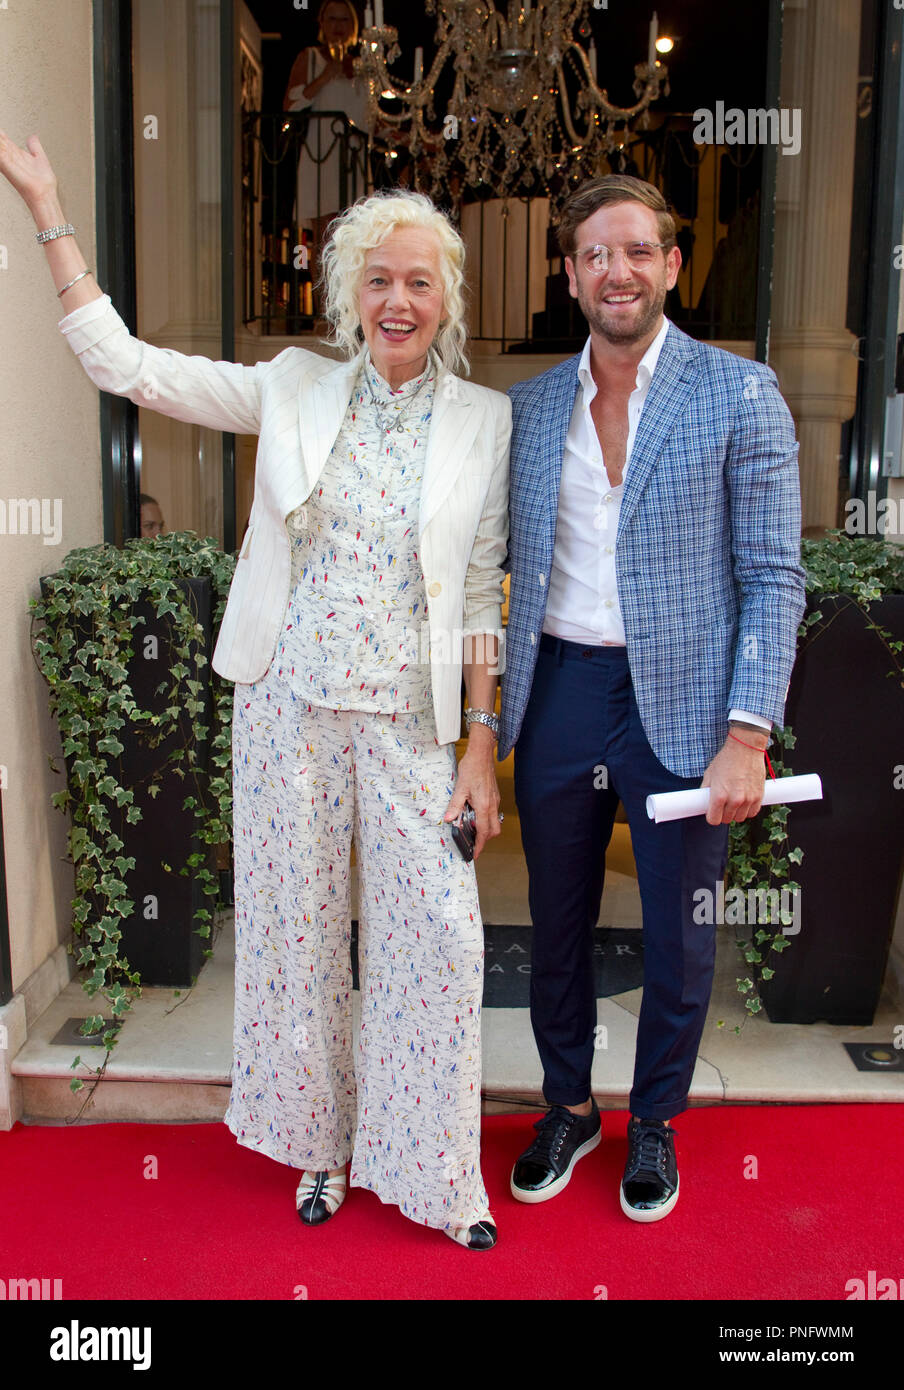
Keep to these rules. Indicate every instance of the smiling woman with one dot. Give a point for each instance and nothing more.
(385, 235)
(380, 512)
(401, 302)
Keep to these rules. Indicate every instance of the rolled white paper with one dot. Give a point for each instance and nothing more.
(663, 806)
(368, 17)
(591, 59)
(654, 35)
(378, 13)
(418, 64)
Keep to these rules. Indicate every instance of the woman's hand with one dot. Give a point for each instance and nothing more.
(28, 170)
(31, 176)
(476, 783)
(332, 72)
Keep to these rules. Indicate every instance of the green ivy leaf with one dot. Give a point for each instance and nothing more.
(86, 627)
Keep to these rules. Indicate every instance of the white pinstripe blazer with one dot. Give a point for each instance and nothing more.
(296, 404)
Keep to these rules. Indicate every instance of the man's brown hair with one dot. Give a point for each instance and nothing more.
(612, 188)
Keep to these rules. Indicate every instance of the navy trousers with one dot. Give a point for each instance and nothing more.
(581, 750)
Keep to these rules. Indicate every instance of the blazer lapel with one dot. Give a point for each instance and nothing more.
(557, 408)
(454, 423)
(321, 406)
(328, 402)
(675, 377)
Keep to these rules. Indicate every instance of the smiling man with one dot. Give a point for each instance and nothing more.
(656, 591)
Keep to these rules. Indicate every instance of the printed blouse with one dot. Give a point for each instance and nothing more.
(358, 600)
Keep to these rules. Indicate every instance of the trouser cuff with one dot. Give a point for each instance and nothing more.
(665, 1110)
(566, 1095)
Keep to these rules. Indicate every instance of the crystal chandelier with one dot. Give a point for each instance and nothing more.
(525, 114)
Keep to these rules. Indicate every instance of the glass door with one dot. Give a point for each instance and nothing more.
(177, 150)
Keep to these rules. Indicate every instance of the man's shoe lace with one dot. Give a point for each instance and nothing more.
(649, 1153)
(552, 1129)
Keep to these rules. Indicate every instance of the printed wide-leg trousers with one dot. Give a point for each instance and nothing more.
(404, 1104)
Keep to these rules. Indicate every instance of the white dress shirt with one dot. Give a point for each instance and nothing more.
(583, 605)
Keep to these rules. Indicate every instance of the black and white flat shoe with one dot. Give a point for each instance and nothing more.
(320, 1196)
(480, 1236)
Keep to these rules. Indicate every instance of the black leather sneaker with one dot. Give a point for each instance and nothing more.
(562, 1138)
(649, 1188)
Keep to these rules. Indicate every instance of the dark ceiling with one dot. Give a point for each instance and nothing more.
(720, 51)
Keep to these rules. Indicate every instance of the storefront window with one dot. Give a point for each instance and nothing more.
(176, 102)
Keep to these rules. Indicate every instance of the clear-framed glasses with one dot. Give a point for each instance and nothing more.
(640, 255)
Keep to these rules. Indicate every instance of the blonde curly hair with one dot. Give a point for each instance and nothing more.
(366, 225)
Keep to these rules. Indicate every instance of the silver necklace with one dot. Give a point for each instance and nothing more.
(395, 426)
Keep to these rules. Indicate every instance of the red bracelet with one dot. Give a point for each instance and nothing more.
(755, 749)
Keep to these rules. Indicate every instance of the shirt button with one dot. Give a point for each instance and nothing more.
(542, 579)
(610, 549)
(533, 639)
(608, 603)
(608, 497)
(434, 589)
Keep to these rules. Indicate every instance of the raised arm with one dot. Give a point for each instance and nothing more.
(31, 176)
(220, 395)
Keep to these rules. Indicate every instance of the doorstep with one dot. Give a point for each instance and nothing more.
(172, 1061)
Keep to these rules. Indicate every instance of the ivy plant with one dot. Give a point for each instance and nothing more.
(760, 856)
(85, 628)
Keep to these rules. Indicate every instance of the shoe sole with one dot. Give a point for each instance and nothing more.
(555, 1188)
(656, 1214)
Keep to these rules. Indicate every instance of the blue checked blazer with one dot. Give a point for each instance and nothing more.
(707, 554)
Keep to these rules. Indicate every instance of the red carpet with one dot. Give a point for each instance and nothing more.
(218, 1221)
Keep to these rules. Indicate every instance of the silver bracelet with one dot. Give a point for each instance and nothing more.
(50, 233)
(81, 276)
(482, 716)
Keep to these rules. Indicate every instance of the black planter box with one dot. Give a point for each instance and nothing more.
(160, 939)
(847, 715)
